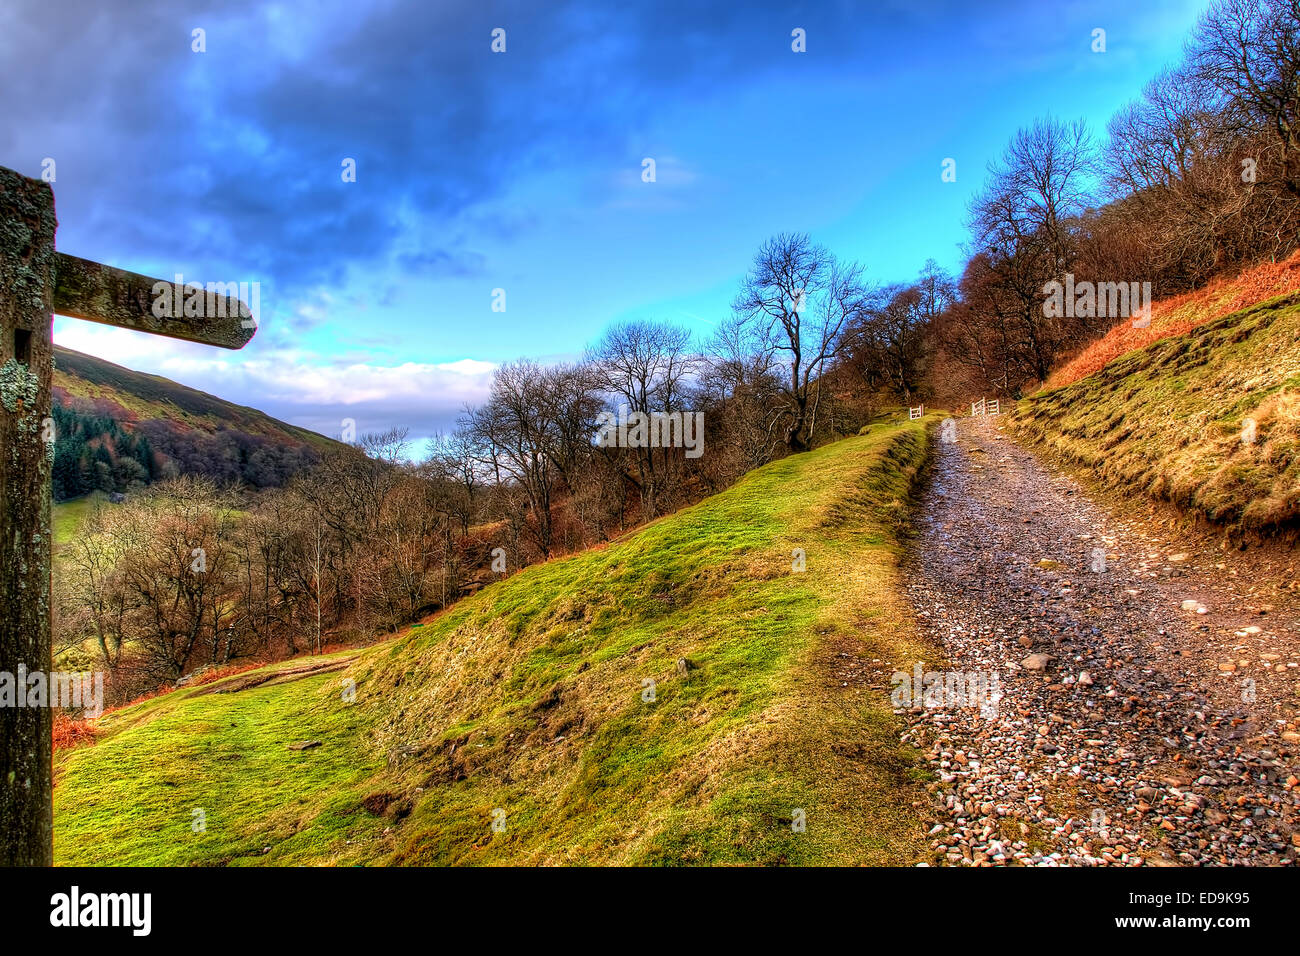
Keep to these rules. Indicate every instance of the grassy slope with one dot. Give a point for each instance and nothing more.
(144, 397)
(66, 517)
(1183, 313)
(1167, 420)
(528, 697)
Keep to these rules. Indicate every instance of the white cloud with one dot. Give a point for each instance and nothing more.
(298, 386)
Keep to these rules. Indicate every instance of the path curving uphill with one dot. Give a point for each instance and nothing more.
(1163, 728)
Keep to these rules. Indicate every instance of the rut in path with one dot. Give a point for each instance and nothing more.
(1158, 733)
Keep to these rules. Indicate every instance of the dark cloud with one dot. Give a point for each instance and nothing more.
(441, 262)
(230, 160)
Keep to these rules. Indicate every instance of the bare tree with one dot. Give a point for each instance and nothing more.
(891, 343)
(530, 431)
(894, 332)
(1172, 168)
(92, 591)
(645, 367)
(799, 300)
(1035, 190)
(452, 460)
(1024, 223)
(1249, 51)
(177, 566)
(740, 390)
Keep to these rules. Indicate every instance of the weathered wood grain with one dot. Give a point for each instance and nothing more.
(26, 366)
(99, 293)
(35, 282)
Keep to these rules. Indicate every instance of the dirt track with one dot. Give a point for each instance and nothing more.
(1157, 733)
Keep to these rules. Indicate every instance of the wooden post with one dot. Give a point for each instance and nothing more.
(34, 281)
(27, 277)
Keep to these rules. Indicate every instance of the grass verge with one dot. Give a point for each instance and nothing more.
(530, 703)
(1208, 420)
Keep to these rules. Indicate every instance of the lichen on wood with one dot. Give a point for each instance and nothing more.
(99, 293)
(27, 257)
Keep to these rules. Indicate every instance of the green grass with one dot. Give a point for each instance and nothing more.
(528, 698)
(66, 517)
(227, 756)
(1168, 420)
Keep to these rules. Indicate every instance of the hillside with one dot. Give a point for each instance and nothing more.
(533, 698)
(1179, 314)
(1208, 419)
(117, 429)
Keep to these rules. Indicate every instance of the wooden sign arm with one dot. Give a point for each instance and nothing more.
(100, 293)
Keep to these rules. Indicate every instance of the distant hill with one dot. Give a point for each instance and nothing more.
(117, 429)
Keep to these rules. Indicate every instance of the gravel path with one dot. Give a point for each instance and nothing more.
(1161, 726)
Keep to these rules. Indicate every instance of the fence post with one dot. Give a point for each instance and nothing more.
(26, 368)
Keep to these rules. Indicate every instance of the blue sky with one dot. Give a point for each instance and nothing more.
(519, 170)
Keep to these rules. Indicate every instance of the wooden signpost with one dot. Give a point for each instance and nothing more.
(36, 282)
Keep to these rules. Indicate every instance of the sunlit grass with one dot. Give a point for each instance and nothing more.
(67, 517)
(1169, 420)
(532, 698)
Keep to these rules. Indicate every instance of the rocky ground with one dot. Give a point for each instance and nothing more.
(1150, 701)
